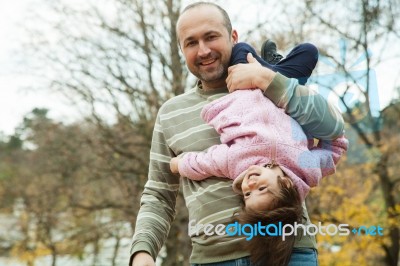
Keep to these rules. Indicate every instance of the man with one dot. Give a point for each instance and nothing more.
(206, 39)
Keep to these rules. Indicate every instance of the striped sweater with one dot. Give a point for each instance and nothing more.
(178, 129)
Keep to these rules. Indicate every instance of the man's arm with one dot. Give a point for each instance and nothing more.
(313, 112)
(310, 109)
(157, 205)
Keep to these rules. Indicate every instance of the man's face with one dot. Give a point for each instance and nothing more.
(206, 44)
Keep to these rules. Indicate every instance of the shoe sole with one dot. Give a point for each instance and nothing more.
(263, 55)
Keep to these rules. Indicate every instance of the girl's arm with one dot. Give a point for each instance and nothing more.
(200, 165)
(329, 152)
(321, 162)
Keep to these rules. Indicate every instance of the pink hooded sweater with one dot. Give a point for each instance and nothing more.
(254, 131)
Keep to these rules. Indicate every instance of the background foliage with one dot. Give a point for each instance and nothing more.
(74, 189)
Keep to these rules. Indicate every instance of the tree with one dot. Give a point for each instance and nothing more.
(122, 63)
(119, 61)
(371, 23)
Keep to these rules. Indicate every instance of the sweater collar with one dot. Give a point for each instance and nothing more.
(199, 89)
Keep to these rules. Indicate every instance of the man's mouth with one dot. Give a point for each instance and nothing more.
(207, 62)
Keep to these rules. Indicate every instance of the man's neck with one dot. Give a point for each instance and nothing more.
(208, 86)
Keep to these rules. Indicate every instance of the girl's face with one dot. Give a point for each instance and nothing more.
(260, 186)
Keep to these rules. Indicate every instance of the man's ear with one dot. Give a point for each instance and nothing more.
(235, 36)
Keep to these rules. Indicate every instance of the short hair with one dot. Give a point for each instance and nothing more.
(225, 16)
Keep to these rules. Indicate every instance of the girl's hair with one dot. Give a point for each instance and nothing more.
(285, 208)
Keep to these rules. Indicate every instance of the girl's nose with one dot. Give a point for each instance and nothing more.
(252, 183)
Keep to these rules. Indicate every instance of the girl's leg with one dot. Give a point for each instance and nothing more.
(299, 63)
(239, 55)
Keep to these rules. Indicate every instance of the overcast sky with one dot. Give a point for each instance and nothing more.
(15, 101)
(10, 100)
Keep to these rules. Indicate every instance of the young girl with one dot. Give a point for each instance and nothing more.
(269, 157)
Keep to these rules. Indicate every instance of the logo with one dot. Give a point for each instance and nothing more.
(281, 230)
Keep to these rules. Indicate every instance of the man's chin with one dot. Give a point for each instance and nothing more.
(212, 77)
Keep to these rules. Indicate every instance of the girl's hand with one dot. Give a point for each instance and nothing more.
(173, 165)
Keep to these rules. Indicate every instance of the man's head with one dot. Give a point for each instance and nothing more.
(206, 39)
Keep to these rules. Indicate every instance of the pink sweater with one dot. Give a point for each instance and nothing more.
(253, 131)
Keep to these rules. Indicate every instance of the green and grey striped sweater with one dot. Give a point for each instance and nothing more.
(179, 129)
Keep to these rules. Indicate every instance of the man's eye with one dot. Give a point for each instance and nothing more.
(262, 188)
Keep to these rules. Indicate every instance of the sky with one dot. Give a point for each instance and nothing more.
(10, 100)
(16, 100)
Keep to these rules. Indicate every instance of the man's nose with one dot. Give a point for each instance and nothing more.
(204, 50)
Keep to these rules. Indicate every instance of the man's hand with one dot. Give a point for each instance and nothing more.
(249, 76)
(143, 259)
(173, 164)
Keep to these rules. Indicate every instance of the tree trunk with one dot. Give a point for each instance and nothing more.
(391, 249)
(96, 249)
(116, 249)
(53, 258)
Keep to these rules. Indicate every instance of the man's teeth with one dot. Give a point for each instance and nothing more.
(207, 62)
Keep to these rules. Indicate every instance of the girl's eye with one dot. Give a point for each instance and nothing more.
(247, 194)
(262, 188)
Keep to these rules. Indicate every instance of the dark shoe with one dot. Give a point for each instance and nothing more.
(269, 54)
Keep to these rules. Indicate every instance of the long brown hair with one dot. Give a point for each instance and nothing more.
(286, 208)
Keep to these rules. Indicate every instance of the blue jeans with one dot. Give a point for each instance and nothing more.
(299, 63)
(300, 257)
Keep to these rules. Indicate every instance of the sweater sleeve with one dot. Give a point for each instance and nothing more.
(308, 171)
(157, 209)
(310, 109)
(329, 152)
(200, 165)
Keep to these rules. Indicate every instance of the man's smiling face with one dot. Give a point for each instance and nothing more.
(206, 44)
